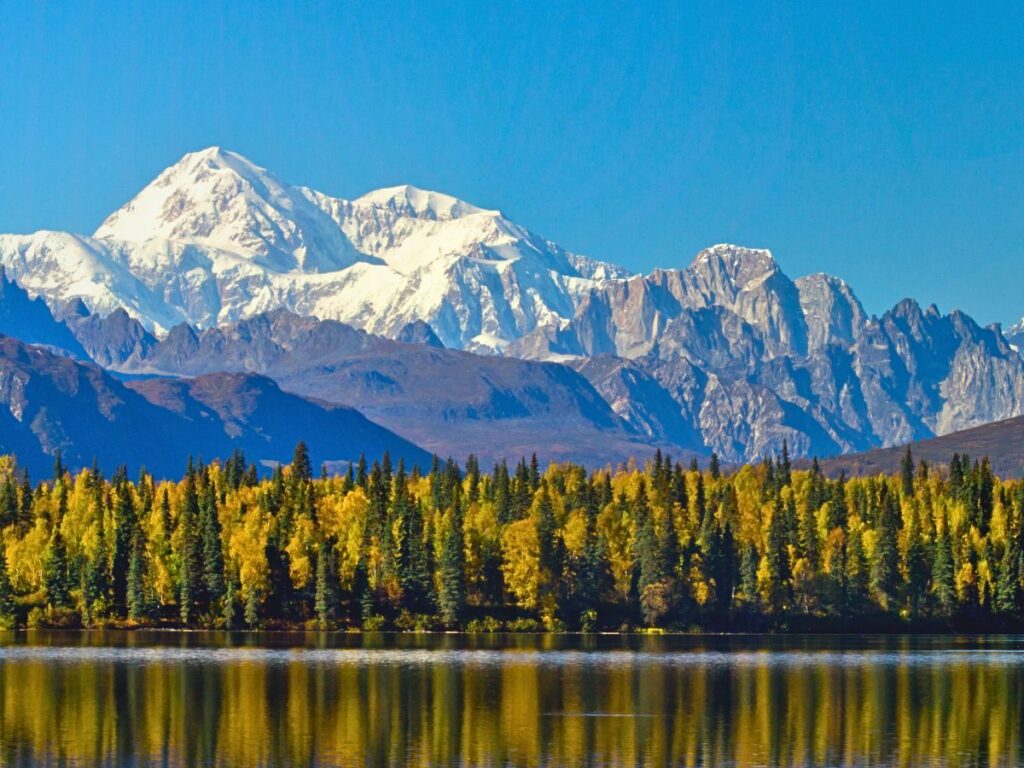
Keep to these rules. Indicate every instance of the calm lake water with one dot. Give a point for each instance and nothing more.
(110, 698)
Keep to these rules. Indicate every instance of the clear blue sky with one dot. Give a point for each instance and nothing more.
(881, 143)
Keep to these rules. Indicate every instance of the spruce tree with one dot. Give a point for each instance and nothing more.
(907, 473)
(137, 604)
(302, 469)
(858, 578)
(918, 570)
(749, 562)
(647, 553)
(943, 573)
(885, 573)
(8, 502)
(191, 569)
(1008, 591)
(837, 600)
(413, 561)
(228, 607)
(252, 608)
(7, 604)
(451, 569)
(714, 468)
(326, 596)
(55, 572)
(547, 536)
(125, 528)
(779, 569)
(213, 555)
(95, 584)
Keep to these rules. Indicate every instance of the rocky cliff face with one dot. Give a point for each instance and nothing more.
(753, 359)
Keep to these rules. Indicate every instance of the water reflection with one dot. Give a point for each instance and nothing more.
(186, 699)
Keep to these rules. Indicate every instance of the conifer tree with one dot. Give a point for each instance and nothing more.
(25, 512)
(451, 569)
(749, 561)
(302, 469)
(252, 609)
(648, 554)
(212, 551)
(943, 570)
(191, 568)
(8, 502)
(1008, 589)
(228, 607)
(326, 596)
(858, 577)
(907, 473)
(918, 570)
(95, 584)
(125, 527)
(137, 604)
(714, 468)
(836, 596)
(55, 572)
(885, 574)
(413, 561)
(7, 603)
(777, 554)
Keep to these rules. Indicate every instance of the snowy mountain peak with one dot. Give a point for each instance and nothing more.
(418, 203)
(215, 238)
(222, 200)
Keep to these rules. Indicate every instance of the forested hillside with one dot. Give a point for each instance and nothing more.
(384, 546)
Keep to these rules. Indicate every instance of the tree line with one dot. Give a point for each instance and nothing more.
(459, 547)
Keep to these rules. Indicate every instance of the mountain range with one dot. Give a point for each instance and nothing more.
(462, 331)
(53, 403)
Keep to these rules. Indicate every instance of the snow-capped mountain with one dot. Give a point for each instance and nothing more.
(727, 354)
(215, 238)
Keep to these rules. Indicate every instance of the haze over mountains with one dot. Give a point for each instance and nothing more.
(465, 332)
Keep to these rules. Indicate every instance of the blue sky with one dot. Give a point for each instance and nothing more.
(880, 143)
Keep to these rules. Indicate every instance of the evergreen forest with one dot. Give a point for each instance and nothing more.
(513, 548)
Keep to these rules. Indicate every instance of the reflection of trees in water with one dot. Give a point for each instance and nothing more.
(519, 713)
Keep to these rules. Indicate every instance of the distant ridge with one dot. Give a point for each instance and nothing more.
(1002, 442)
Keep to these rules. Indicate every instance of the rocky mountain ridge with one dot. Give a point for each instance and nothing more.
(728, 354)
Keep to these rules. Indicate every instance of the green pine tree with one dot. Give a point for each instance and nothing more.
(749, 562)
(252, 608)
(55, 572)
(228, 607)
(885, 572)
(302, 468)
(213, 555)
(138, 608)
(907, 473)
(779, 568)
(413, 560)
(451, 569)
(1008, 591)
(191, 568)
(125, 529)
(918, 570)
(7, 603)
(326, 593)
(943, 573)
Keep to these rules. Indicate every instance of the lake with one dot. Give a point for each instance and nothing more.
(250, 699)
